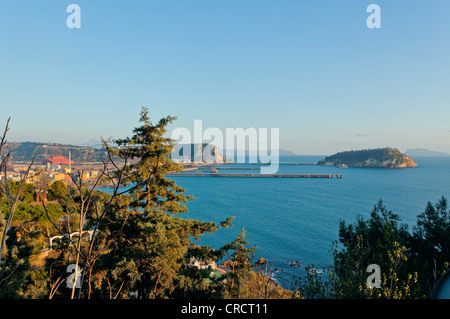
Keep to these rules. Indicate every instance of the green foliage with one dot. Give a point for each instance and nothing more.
(240, 262)
(57, 191)
(18, 279)
(148, 245)
(27, 194)
(368, 242)
(28, 213)
(410, 264)
(430, 244)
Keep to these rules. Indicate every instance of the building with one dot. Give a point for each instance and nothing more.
(60, 177)
(56, 160)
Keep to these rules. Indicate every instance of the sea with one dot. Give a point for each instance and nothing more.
(294, 221)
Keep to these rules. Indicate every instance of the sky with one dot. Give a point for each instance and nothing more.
(313, 69)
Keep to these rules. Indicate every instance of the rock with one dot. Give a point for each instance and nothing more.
(196, 153)
(261, 261)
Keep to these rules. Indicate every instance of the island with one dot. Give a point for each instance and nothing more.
(379, 158)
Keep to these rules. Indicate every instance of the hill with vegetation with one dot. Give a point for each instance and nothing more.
(380, 157)
(24, 152)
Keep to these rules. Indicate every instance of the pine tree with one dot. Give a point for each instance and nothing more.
(149, 244)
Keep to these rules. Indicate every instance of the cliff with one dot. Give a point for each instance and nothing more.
(381, 158)
(196, 153)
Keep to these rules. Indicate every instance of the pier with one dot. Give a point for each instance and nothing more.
(254, 175)
(306, 164)
(234, 168)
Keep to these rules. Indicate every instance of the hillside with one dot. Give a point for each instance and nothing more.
(24, 152)
(381, 158)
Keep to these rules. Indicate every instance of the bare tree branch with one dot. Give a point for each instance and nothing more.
(13, 206)
(120, 173)
(59, 229)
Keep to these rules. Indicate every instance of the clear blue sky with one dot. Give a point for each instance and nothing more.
(311, 68)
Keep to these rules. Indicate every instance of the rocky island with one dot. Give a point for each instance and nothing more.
(379, 158)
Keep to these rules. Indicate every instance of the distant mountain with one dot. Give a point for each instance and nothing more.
(95, 143)
(380, 157)
(424, 152)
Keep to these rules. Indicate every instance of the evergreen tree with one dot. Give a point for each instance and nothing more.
(380, 240)
(431, 244)
(57, 191)
(240, 261)
(149, 255)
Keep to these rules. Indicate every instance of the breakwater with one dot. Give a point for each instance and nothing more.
(255, 175)
(233, 168)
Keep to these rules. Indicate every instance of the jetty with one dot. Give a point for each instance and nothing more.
(253, 175)
(305, 164)
(233, 168)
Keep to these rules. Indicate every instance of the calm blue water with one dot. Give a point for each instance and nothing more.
(297, 219)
